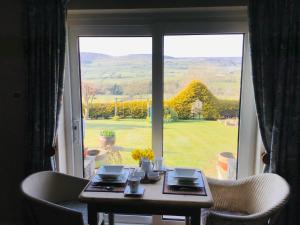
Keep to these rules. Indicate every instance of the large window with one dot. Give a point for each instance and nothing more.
(116, 89)
(202, 77)
(183, 89)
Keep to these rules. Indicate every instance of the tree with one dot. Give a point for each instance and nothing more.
(116, 90)
(196, 108)
(89, 92)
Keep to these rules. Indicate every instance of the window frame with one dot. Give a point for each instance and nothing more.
(136, 24)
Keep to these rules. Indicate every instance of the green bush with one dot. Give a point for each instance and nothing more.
(178, 107)
(107, 133)
(182, 102)
(133, 109)
(101, 110)
(228, 108)
(170, 115)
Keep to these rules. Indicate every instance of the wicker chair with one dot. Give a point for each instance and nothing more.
(52, 198)
(255, 200)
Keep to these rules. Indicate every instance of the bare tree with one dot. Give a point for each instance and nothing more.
(89, 92)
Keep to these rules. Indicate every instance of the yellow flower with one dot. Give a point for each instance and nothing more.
(138, 154)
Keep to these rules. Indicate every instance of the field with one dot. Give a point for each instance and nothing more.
(114, 76)
(188, 143)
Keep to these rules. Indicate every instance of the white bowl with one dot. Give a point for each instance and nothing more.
(110, 171)
(185, 173)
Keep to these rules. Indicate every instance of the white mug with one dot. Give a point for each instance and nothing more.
(133, 183)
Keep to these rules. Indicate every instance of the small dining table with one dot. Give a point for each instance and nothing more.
(153, 202)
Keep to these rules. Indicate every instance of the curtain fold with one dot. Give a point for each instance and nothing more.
(45, 53)
(275, 52)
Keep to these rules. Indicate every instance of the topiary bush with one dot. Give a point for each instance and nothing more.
(182, 102)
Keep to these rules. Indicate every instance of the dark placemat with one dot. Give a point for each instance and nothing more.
(105, 187)
(182, 191)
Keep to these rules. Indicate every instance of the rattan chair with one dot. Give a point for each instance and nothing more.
(52, 198)
(255, 200)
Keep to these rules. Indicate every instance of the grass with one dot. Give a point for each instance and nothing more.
(186, 143)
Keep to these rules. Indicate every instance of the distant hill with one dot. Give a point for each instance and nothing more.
(220, 74)
(89, 57)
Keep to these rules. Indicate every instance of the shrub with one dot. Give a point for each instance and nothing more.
(228, 108)
(101, 110)
(182, 102)
(170, 115)
(133, 109)
(178, 107)
(107, 133)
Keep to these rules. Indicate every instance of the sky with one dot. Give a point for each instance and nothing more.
(175, 46)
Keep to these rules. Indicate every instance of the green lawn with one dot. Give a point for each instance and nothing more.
(186, 143)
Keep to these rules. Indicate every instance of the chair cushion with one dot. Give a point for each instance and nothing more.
(206, 212)
(77, 206)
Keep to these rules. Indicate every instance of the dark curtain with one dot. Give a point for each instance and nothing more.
(45, 53)
(275, 49)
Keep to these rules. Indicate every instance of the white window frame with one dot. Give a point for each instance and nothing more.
(135, 24)
(157, 23)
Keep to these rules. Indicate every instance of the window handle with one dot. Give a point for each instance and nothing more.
(76, 126)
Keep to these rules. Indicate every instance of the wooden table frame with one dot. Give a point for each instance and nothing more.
(153, 202)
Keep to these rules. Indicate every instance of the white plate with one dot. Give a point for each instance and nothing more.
(122, 179)
(110, 171)
(172, 181)
(184, 174)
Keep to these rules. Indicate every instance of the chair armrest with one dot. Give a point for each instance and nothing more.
(215, 218)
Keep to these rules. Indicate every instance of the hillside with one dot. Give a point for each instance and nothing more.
(221, 75)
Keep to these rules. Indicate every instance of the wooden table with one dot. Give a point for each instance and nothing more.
(153, 202)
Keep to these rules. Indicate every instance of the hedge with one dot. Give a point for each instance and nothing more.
(178, 107)
(228, 108)
(195, 90)
(133, 109)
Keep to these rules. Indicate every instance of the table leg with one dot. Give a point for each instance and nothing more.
(195, 218)
(111, 219)
(187, 220)
(92, 215)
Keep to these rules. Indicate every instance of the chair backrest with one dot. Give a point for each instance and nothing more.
(261, 196)
(267, 192)
(42, 192)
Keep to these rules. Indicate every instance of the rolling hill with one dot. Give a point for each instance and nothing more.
(220, 74)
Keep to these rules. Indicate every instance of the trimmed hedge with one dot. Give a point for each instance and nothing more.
(182, 102)
(228, 108)
(133, 109)
(179, 107)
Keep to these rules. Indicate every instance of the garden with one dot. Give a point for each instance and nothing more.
(194, 129)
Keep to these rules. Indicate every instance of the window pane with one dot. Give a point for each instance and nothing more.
(116, 87)
(202, 76)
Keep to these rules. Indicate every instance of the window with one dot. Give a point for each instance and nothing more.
(126, 81)
(116, 89)
(202, 77)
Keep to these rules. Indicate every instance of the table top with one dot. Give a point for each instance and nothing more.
(152, 197)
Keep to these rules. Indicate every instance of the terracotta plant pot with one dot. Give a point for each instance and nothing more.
(107, 141)
(225, 165)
